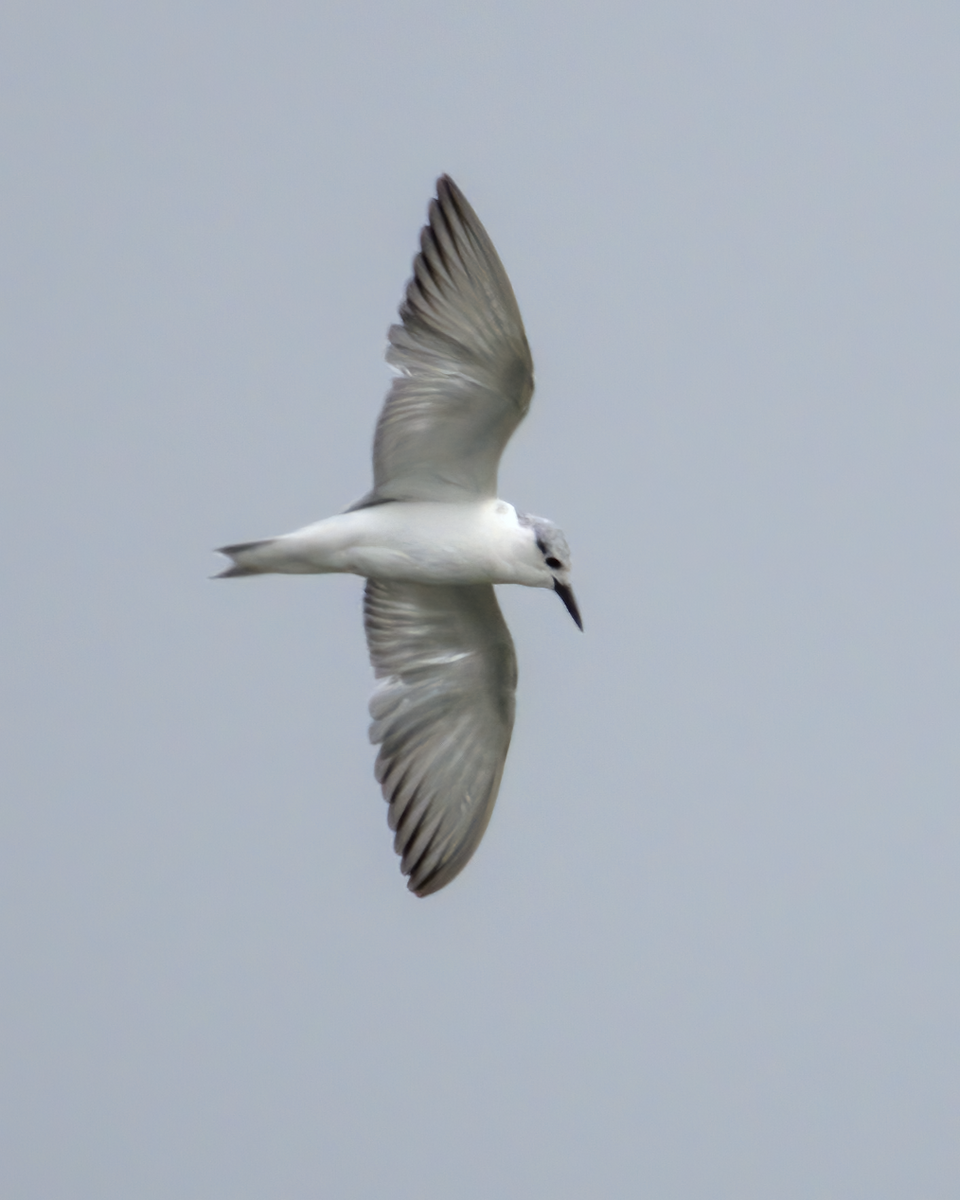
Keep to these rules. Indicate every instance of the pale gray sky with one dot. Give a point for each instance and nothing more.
(708, 948)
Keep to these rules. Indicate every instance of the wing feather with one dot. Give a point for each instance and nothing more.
(442, 715)
(465, 375)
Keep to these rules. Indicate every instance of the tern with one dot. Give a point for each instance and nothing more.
(431, 539)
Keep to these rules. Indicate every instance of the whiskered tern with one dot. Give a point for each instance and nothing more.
(431, 539)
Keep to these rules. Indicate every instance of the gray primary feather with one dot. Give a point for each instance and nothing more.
(465, 372)
(443, 716)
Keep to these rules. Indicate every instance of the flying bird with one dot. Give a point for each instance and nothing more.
(431, 539)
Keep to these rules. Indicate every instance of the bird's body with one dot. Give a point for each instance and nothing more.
(481, 541)
(431, 539)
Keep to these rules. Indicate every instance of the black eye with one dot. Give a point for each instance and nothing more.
(554, 563)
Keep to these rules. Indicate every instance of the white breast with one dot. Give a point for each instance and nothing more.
(478, 542)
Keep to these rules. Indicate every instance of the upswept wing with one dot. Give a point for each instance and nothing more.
(443, 715)
(465, 372)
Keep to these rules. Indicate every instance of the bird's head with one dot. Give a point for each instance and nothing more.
(554, 558)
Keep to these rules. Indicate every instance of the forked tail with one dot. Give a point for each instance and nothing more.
(248, 558)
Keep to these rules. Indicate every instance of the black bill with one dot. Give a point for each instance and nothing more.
(566, 595)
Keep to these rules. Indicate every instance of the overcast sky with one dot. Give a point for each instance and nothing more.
(708, 948)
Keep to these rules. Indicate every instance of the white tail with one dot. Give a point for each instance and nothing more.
(248, 559)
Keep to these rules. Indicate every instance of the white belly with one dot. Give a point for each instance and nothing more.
(420, 543)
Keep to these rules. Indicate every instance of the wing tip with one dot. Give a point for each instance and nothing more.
(434, 881)
(451, 197)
